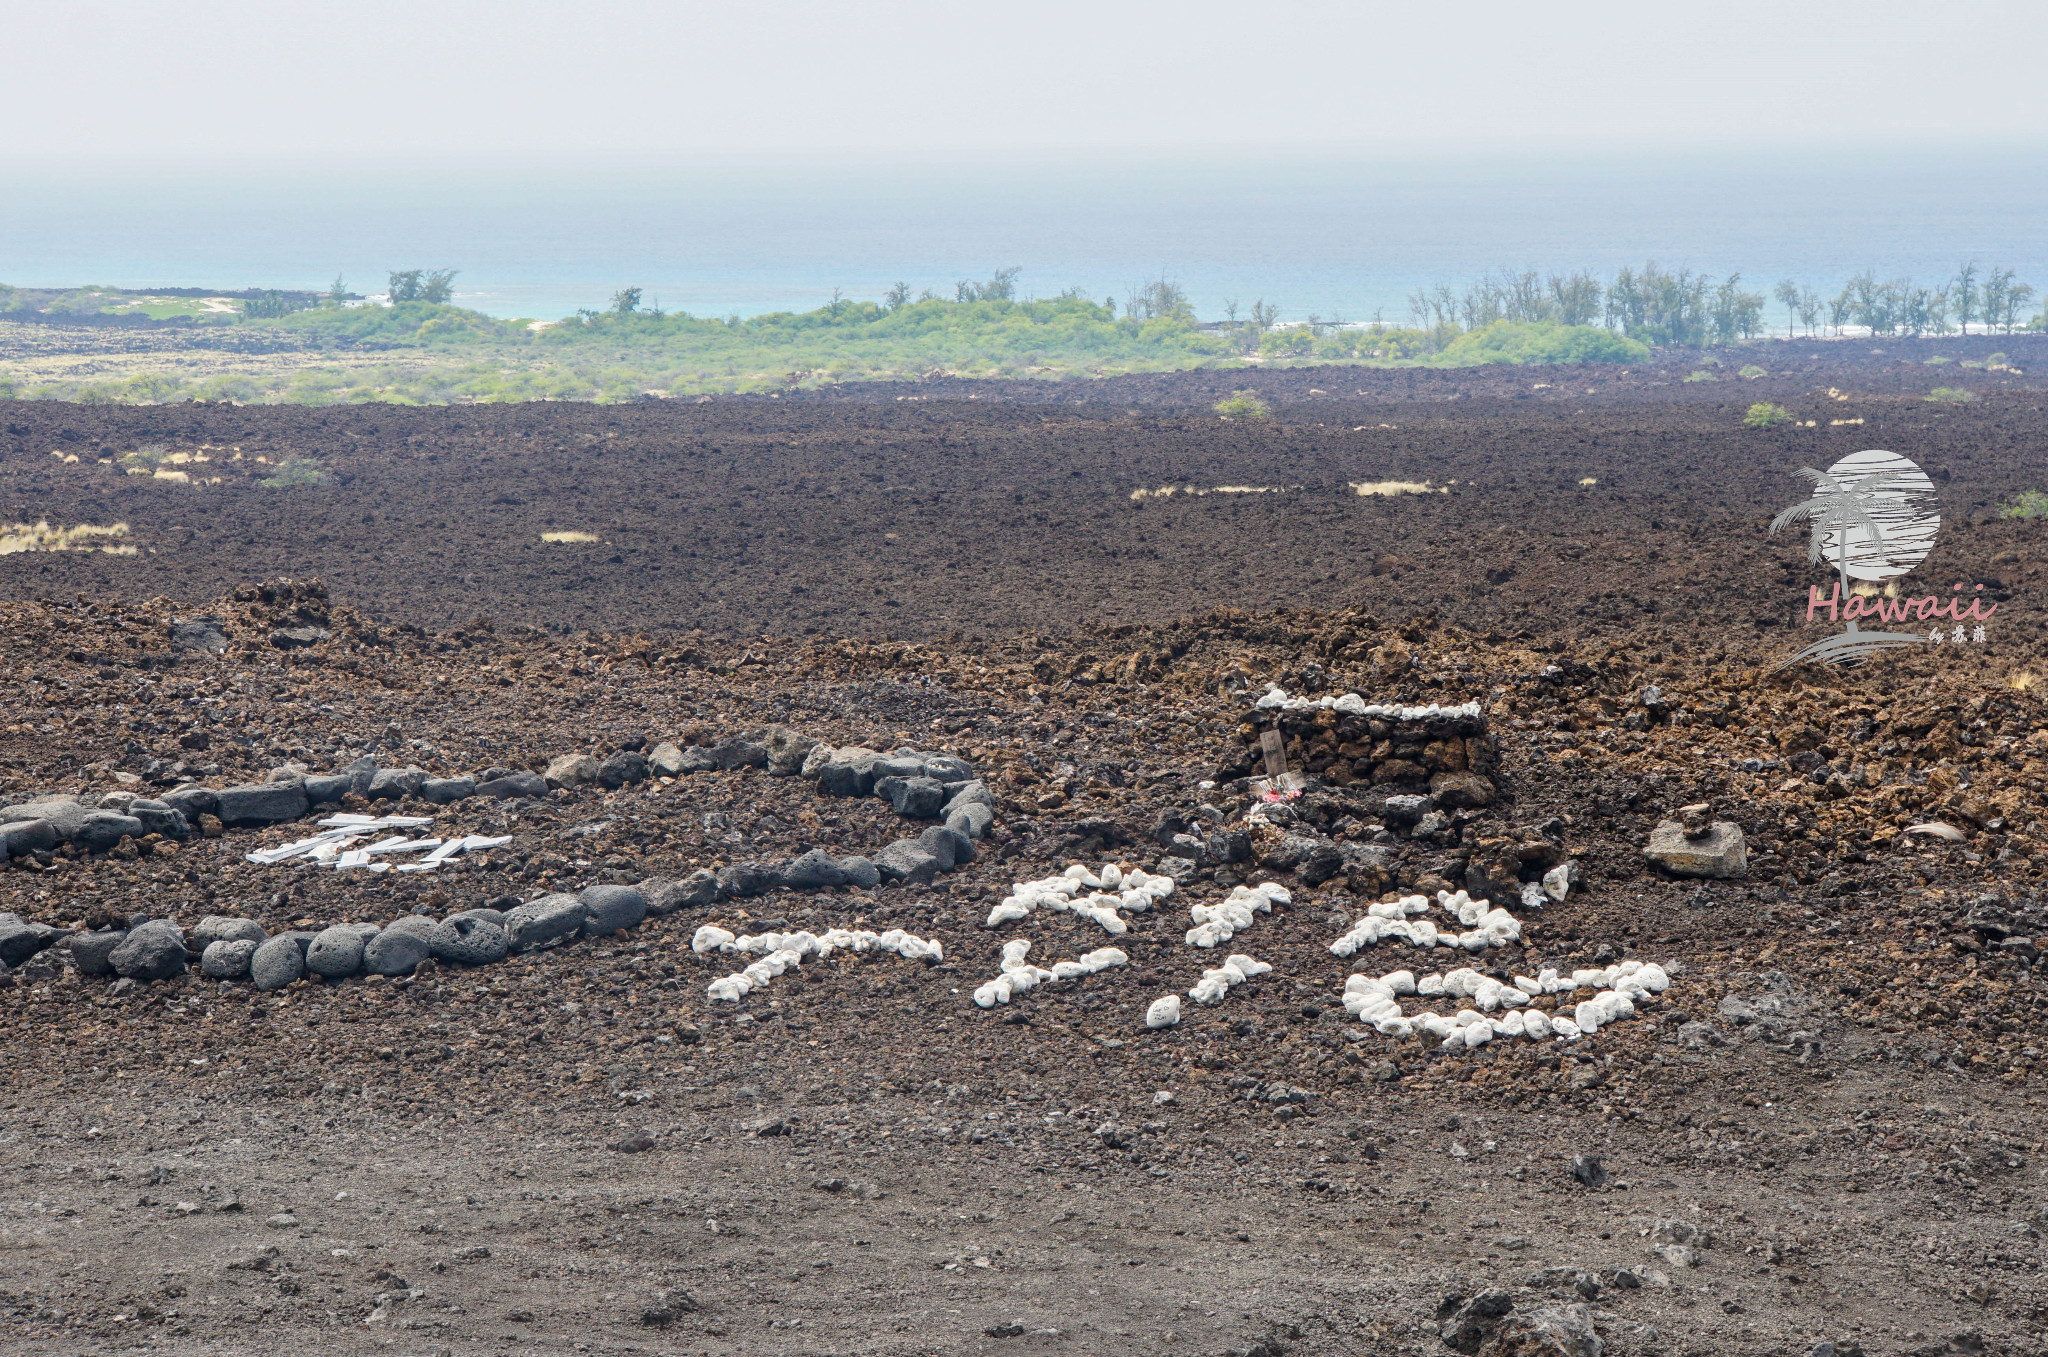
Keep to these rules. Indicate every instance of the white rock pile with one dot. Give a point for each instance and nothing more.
(1351, 704)
(1218, 981)
(1376, 1001)
(1019, 975)
(1111, 892)
(1224, 920)
(1484, 925)
(780, 951)
(336, 845)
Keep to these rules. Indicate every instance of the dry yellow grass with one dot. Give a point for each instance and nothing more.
(1390, 488)
(40, 536)
(1169, 491)
(568, 537)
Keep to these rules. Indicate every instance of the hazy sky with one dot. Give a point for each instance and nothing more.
(606, 77)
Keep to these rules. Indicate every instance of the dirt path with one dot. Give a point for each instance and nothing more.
(521, 1228)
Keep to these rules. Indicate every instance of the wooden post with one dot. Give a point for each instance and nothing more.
(1275, 751)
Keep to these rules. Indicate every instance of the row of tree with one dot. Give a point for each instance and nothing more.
(1661, 306)
(1992, 297)
(1652, 304)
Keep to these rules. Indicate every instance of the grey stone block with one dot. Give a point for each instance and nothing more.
(444, 791)
(393, 784)
(543, 922)
(158, 818)
(227, 959)
(740, 754)
(325, 788)
(335, 953)
(621, 769)
(360, 774)
(948, 768)
(695, 891)
(192, 802)
(571, 770)
(953, 849)
(969, 794)
(666, 759)
(18, 941)
(467, 942)
(918, 798)
(787, 751)
(940, 843)
(91, 951)
(742, 880)
(103, 829)
(815, 870)
(421, 924)
(514, 786)
(23, 837)
(265, 803)
(861, 872)
(226, 928)
(849, 772)
(395, 951)
(279, 961)
(611, 909)
(153, 951)
(1721, 853)
(906, 861)
(974, 820)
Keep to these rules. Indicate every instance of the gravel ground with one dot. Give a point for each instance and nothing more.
(1825, 1131)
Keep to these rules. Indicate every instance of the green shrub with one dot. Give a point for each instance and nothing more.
(294, 471)
(1750, 372)
(1243, 405)
(2026, 504)
(1764, 415)
(1951, 395)
(1936, 361)
(1701, 377)
(1296, 341)
(1529, 341)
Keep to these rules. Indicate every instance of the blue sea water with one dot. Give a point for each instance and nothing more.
(1343, 237)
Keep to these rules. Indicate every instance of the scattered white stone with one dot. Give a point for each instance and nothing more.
(710, 938)
(1163, 1012)
(1233, 914)
(1018, 975)
(1218, 982)
(783, 950)
(1375, 1001)
(1557, 882)
(1114, 889)
(1485, 925)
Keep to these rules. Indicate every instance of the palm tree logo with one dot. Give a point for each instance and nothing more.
(1874, 517)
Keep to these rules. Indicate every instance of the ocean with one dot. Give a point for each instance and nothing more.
(1314, 234)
